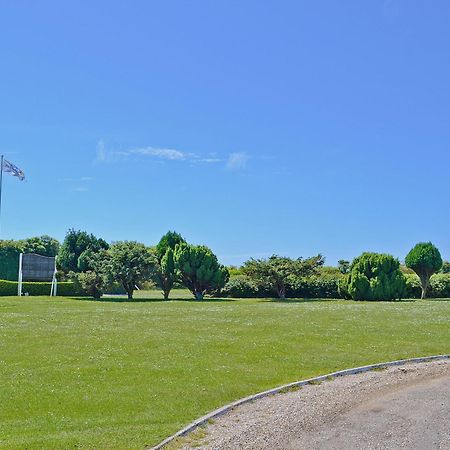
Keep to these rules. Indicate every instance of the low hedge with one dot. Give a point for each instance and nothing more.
(241, 286)
(65, 288)
(439, 286)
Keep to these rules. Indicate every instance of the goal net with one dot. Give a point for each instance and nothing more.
(34, 267)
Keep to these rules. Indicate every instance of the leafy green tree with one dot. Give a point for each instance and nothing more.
(96, 276)
(130, 263)
(41, 245)
(199, 270)
(77, 249)
(169, 240)
(343, 266)
(374, 276)
(278, 273)
(9, 259)
(445, 267)
(165, 268)
(425, 260)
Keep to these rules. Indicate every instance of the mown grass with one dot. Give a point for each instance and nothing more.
(113, 374)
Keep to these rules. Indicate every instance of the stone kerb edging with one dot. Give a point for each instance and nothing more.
(227, 408)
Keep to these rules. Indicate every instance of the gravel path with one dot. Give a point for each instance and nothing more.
(400, 407)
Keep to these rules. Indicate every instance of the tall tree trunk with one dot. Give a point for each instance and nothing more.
(130, 290)
(424, 281)
(281, 291)
(166, 293)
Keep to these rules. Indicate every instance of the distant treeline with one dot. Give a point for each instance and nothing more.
(95, 267)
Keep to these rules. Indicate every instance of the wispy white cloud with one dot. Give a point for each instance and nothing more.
(237, 161)
(163, 153)
(103, 155)
(75, 180)
(81, 189)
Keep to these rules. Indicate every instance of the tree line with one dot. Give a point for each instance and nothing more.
(94, 266)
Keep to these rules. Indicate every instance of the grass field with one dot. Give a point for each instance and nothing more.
(115, 374)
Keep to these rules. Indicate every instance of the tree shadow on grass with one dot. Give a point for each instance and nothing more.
(436, 300)
(150, 300)
(297, 300)
(314, 300)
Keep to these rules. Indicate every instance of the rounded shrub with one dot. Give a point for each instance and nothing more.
(240, 286)
(425, 259)
(440, 285)
(374, 276)
(413, 286)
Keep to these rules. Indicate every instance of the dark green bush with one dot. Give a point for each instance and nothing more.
(9, 288)
(9, 260)
(315, 287)
(440, 285)
(240, 286)
(413, 286)
(374, 276)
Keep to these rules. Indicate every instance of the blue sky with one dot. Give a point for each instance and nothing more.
(254, 127)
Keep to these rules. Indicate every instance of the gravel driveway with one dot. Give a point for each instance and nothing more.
(400, 407)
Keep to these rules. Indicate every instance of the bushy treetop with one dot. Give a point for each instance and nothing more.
(424, 256)
(278, 272)
(198, 269)
(169, 240)
(130, 263)
(77, 249)
(374, 276)
(425, 259)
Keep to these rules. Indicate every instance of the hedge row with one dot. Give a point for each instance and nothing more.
(439, 286)
(241, 286)
(65, 288)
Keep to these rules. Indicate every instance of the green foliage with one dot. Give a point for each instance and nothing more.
(316, 286)
(440, 285)
(235, 271)
(165, 266)
(279, 273)
(10, 288)
(10, 251)
(198, 269)
(41, 245)
(343, 266)
(92, 283)
(9, 259)
(240, 286)
(130, 263)
(445, 267)
(413, 286)
(77, 250)
(169, 240)
(425, 260)
(374, 276)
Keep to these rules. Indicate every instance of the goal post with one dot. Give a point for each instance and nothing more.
(34, 267)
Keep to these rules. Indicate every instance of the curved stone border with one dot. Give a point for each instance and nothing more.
(227, 408)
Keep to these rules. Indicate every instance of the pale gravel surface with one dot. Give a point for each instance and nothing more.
(405, 407)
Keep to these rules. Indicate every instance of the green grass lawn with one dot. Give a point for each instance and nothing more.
(115, 374)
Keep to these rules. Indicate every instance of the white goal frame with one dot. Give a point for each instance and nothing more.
(54, 287)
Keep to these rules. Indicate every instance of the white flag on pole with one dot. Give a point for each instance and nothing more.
(13, 170)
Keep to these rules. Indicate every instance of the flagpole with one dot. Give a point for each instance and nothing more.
(1, 187)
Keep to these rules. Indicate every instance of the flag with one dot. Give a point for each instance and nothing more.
(13, 170)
